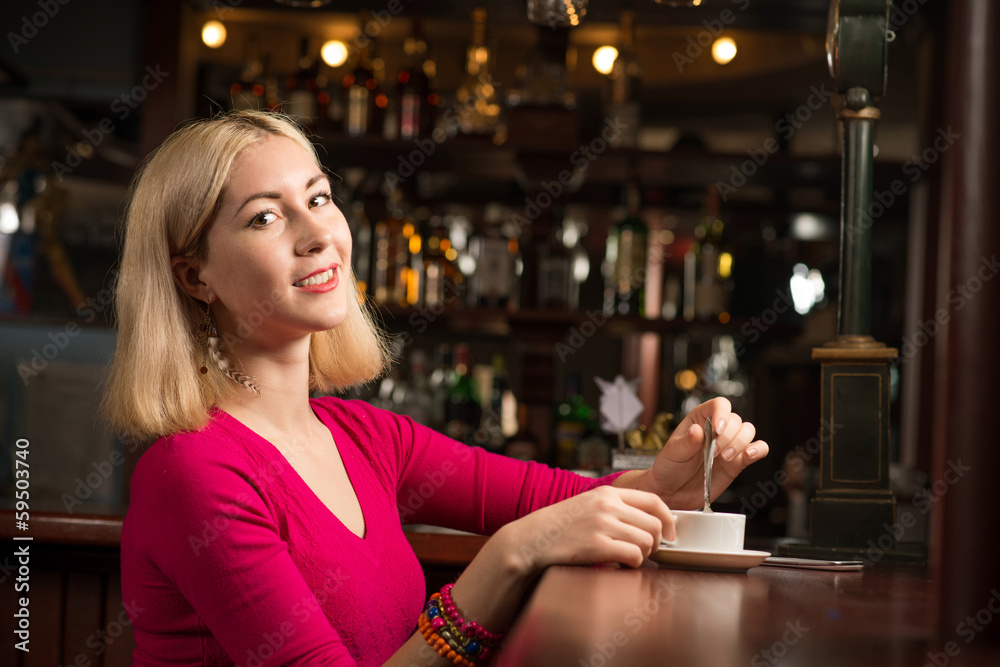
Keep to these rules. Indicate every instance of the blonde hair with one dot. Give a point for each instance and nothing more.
(155, 387)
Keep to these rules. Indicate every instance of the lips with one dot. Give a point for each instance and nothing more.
(320, 277)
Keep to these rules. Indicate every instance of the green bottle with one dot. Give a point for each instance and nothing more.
(571, 420)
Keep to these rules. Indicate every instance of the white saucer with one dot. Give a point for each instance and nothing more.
(719, 561)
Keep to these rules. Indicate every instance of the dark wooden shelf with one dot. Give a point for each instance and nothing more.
(556, 324)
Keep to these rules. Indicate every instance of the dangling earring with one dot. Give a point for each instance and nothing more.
(205, 331)
(208, 336)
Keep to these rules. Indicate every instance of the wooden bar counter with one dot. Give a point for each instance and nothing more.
(604, 617)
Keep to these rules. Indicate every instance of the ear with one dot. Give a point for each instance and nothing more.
(187, 276)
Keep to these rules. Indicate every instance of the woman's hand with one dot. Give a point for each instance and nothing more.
(678, 475)
(603, 525)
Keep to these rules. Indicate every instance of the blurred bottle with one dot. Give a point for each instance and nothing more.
(621, 91)
(392, 252)
(413, 272)
(442, 279)
(571, 420)
(300, 88)
(554, 267)
(707, 266)
(492, 284)
(524, 445)
(542, 81)
(625, 259)
(415, 100)
(361, 88)
(417, 400)
(463, 410)
(500, 418)
(477, 96)
(441, 379)
(248, 92)
(361, 233)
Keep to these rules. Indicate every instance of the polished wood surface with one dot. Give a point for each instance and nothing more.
(600, 617)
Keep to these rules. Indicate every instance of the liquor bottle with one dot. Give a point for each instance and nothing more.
(415, 101)
(417, 402)
(360, 87)
(300, 88)
(497, 418)
(392, 252)
(573, 232)
(443, 283)
(463, 410)
(523, 445)
(441, 379)
(571, 419)
(543, 80)
(477, 96)
(248, 92)
(361, 233)
(413, 273)
(707, 266)
(625, 259)
(492, 283)
(621, 91)
(554, 267)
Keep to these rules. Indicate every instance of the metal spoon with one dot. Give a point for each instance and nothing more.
(709, 458)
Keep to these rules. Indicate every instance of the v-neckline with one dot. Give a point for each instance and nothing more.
(347, 458)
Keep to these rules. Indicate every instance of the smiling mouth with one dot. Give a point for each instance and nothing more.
(317, 279)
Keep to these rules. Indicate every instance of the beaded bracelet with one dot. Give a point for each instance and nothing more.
(471, 647)
(467, 628)
(441, 645)
(465, 643)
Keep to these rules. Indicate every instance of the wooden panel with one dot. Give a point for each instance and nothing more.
(119, 638)
(83, 617)
(438, 549)
(46, 618)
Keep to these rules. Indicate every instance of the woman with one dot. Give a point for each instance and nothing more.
(264, 527)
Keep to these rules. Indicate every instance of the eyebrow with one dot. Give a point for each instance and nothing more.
(277, 195)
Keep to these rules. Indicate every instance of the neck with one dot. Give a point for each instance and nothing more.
(281, 413)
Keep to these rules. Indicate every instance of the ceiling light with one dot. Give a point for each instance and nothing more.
(723, 50)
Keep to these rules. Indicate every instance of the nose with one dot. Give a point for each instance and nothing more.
(315, 233)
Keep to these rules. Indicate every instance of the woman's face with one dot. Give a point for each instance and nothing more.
(279, 249)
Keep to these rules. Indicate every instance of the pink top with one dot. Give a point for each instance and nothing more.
(229, 557)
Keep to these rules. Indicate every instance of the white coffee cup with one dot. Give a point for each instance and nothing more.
(712, 531)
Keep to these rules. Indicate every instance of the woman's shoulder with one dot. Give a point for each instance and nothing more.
(191, 452)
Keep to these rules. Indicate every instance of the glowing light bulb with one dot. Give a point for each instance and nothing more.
(723, 50)
(213, 34)
(604, 59)
(334, 53)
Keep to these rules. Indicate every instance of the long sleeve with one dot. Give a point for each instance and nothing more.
(442, 482)
(219, 545)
